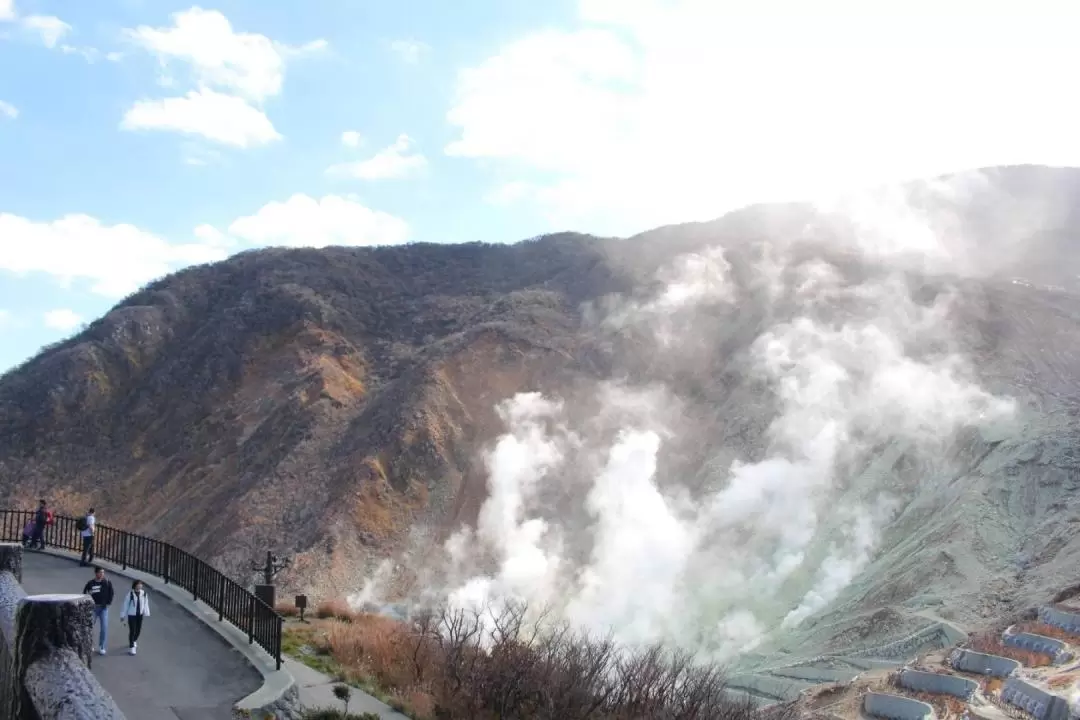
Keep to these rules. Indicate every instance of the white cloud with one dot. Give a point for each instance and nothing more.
(304, 221)
(63, 319)
(115, 259)
(8, 110)
(410, 51)
(655, 111)
(351, 139)
(222, 118)
(249, 64)
(50, 29)
(396, 161)
(88, 53)
(7, 10)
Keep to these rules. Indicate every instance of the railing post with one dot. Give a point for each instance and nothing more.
(251, 619)
(277, 639)
(221, 598)
(124, 549)
(196, 564)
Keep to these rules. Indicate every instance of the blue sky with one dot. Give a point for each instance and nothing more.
(137, 136)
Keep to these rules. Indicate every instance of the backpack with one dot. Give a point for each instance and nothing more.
(80, 524)
(49, 517)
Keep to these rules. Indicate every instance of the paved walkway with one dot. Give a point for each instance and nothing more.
(184, 670)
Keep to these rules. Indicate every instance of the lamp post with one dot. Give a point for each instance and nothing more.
(269, 569)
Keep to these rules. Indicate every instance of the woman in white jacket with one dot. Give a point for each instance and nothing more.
(136, 607)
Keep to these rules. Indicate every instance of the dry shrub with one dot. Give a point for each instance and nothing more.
(286, 610)
(1052, 631)
(336, 610)
(1060, 681)
(992, 645)
(993, 685)
(495, 665)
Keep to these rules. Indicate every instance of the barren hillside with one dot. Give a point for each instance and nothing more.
(794, 431)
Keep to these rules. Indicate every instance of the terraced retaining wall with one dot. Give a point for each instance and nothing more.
(1042, 704)
(1037, 643)
(1058, 618)
(46, 643)
(896, 707)
(983, 664)
(937, 683)
(938, 635)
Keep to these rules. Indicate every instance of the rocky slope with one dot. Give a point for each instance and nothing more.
(338, 404)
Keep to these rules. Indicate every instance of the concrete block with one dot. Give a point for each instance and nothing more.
(1056, 649)
(53, 645)
(1041, 703)
(1059, 618)
(983, 664)
(938, 684)
(896, 707)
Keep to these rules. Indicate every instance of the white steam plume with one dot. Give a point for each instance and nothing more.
(772, 537)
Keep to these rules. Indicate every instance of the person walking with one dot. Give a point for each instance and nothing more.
(101, 590)
(85, 526)
(136, 607)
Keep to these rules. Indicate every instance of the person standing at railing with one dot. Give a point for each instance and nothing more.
(41, 519)
(101, 590)
(136, 607)
(85, 525)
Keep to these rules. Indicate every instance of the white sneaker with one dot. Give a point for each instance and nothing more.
(101, 651)
(131, 651)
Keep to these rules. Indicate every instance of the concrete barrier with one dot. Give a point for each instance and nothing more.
(983, 664)
(1059, 618)
(935, 636)
(1056, 649)
(896, 707)
(937, 683)
(45, 651)
(1043, 704)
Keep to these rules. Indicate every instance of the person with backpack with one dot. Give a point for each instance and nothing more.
(85, 526)
(101, 590)
(136, 607)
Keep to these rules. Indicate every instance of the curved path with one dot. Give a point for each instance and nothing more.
(184, 670)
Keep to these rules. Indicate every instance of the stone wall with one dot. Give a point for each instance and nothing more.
(1064, 620)
(896, 707)
(983, 664)
(46, 643)
(1037, 643)
(1041, 703)
(937, 683)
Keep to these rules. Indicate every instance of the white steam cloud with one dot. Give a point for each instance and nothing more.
(583, 519)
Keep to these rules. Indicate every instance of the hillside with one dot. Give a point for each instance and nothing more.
(861, 417)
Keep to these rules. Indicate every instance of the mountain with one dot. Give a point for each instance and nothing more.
(798, 430)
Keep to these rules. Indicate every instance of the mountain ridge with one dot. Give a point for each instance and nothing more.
(337, 404)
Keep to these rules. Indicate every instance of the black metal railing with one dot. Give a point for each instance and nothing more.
(231, 601)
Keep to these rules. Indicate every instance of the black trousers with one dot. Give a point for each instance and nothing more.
(134, 623)
(87, 550)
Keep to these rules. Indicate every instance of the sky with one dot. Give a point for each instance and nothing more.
(141, 136)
